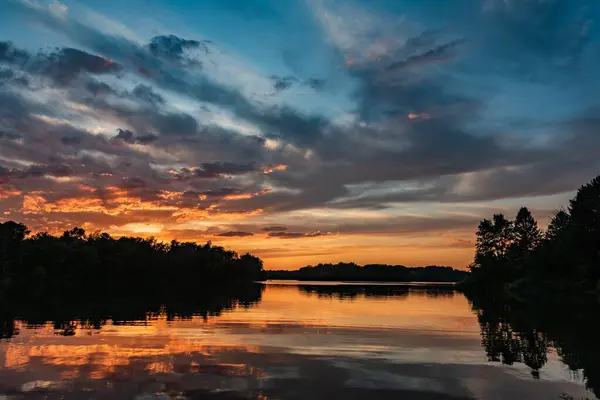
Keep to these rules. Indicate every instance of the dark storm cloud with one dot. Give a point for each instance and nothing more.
(235, 234)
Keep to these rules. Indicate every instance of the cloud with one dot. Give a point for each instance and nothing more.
(10, 77)
(71, 140)
(295, 235)
(173, 48)
(58, 8)
(147, 94)
(214, 170)
(222, 192)
(315, 84)
(9, 136)
(37, 171)
(129, 137)
(11, 55)
(438, 53)
(235, 234)
(283, 83)
(61, 66)
(274, 228)
(133, 182)
(277, 121)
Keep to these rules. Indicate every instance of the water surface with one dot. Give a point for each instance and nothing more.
(282, 340)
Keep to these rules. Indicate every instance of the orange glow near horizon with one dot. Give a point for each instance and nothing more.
(171, 214)
(155, 345)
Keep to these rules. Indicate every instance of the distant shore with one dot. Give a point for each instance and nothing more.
(350, 272)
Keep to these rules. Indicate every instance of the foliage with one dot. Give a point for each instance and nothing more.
(518, 256)
(79, 263)
(535, 290)
(371, 272)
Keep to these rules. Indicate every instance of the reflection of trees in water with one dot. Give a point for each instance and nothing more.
(514, 334)
(92, 311)
(343, 292)
(503, 344)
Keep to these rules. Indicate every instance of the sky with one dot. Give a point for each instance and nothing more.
(302, 131)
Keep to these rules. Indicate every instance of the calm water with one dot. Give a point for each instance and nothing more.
(279, 341)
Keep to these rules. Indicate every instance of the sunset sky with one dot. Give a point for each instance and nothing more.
(302, 131)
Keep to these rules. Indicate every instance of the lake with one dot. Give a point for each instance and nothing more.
(283, 340)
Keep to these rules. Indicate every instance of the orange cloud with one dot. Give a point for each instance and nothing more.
(86, 188)
(188, 214)
(169, 195)
(243, 196)
(269, 169)
(419, 116)
(37, 204)
(6, 193)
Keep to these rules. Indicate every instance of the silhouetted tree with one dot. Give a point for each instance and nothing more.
(585, 229)
(44, 264)
(513, 254)
(558, 225)
(371, 272)
(12, 235)
(527, 236)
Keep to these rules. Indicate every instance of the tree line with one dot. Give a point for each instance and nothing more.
(517, 254)
(371, 272)
(76, 263)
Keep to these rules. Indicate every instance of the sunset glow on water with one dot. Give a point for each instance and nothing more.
(253, 350)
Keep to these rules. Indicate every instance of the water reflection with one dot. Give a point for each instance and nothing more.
(312, 340)
(516, 333)
(93, 311)
(344, 292)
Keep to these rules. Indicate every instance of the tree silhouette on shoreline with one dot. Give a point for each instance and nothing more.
(76, 262)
